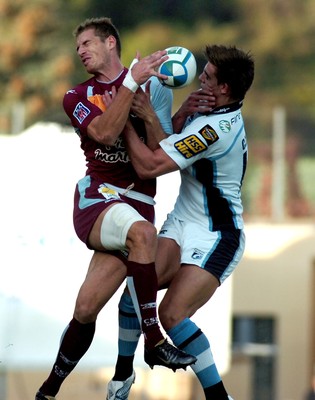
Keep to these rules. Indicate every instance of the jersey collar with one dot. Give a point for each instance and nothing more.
(218, 110)
(227, 108)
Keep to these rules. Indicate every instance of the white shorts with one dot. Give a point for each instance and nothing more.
(217, 252)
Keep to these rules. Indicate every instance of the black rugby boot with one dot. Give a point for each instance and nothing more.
(41, 396)
(168, 356)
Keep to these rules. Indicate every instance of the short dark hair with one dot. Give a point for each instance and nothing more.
(103, 28)
(234, 67)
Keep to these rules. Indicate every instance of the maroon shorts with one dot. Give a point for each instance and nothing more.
(89, 203)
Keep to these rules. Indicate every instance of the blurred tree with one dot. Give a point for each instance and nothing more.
(38, 61)
(39, 64)
(169, 11)
(32, 65)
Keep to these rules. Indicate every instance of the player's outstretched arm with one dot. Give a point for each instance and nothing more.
(142, 107)
(147, 163)
(107, 127)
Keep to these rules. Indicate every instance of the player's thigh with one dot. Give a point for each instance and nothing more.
(167, 260)
(105, 275)
(120, 227)
(95, 233)
(190, 289)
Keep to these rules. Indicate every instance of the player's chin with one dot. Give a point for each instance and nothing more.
(90, 68)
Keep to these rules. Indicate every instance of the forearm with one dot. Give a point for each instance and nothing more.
(147, 163)
(155, 132)
(143, 108)
(178, 121)
(108, 126)
(139, 153)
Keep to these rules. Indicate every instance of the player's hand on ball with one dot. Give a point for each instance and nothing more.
(143, 68)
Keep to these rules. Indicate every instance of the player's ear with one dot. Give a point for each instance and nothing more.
(111, 41)
(225, 89)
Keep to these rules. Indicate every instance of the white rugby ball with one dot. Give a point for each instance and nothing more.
(180, 67)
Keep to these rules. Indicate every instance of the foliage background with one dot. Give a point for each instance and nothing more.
(38, 65)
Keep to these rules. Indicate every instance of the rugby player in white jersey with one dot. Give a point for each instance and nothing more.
(202, 240)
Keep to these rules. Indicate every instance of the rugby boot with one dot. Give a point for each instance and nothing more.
(119, 390)
(168, 356)
(41, 396)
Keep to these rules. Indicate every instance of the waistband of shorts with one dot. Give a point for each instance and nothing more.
(132, 194)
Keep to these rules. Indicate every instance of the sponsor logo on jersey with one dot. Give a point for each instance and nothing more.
(236, 119)
(81, 112)
(113, 154)
(197, 254)
(71, 91)
(221, 110)
(108, 193)
(190, 146)
(225, 126)
(209, 134)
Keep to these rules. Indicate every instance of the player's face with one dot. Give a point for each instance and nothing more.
(92, 51)
(208, 79)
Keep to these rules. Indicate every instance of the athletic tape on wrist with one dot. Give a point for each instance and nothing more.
(129, 82)
(133, 62)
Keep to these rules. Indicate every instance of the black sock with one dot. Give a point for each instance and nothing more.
(216, 392)
(124, 368)
(145, 285)
(74, 344)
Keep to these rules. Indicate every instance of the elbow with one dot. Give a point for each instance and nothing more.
(101, 134)
(146, 174)
(148, 167)
(107, 140)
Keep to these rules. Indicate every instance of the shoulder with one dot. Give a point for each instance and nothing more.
(200, 133)
(158, 91)
(81, 87)
(155, 83)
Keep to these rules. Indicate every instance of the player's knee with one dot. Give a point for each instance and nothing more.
(85, 312)
(142, 234)
(168, 316)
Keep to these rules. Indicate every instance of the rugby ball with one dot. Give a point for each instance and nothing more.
(180, 67)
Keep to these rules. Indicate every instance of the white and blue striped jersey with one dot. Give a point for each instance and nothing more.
(211, 153)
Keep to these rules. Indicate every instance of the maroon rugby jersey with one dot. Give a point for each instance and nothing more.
(108, 164)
